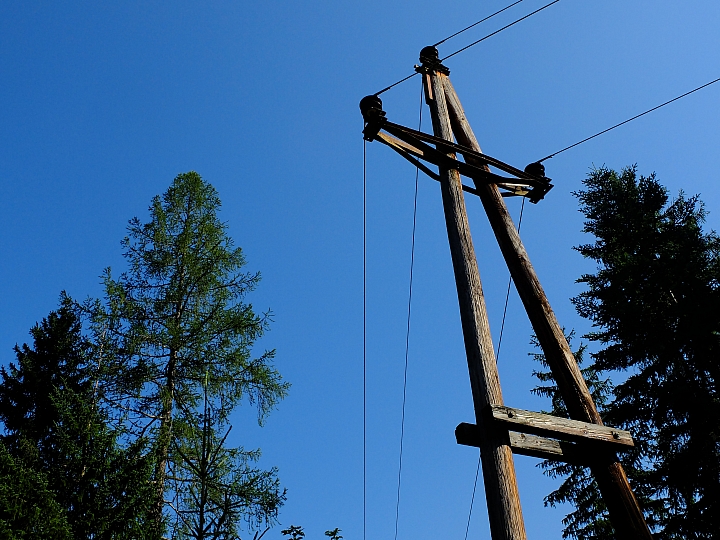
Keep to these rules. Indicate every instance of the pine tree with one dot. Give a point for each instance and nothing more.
(55, 431)
(176, 315)
(654, 305)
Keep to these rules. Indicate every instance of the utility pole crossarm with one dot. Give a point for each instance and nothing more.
(413, 146)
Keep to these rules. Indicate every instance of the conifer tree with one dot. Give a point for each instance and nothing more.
(653, 303)
(175, 317)
(60, 441)
(28, 509)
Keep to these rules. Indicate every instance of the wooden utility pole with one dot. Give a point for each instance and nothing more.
(625, 513)
(503, 499)
(500, 431)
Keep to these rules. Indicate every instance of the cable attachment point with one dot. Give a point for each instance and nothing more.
(430, 60)
(374, 116)
(536, 169)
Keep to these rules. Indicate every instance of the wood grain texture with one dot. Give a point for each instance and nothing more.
(540, 447)
(559, 428)
(624, 510)
(503, 500)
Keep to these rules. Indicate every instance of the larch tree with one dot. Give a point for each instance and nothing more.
(177, 331)
(653, 303)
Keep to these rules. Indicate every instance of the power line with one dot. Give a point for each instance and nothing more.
(507, 294)
(396, 83)
(630, 119)
(500, 30)
(407, 333)
(472, 499)
(364, 336)
(476, 23)
(475, 43)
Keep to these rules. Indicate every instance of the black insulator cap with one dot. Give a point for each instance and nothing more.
(370, 102)
(429, 55)
(536, 169)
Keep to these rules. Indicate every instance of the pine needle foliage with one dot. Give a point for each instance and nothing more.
(653, 303)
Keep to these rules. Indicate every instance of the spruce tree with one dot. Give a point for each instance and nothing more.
(176, 318)
(59, 438)
(28, 509)
(653, 303)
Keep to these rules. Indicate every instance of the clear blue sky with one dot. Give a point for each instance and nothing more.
(101, 105)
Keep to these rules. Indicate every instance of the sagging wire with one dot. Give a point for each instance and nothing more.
(364, 338)
(407, 333)
(472, 44)
(629, 120)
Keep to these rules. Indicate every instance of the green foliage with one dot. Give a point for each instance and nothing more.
(174, 320)
(56, 432)
(334, 534)
(28, 509)
(294, 532)
(654, 305)
(221, 488)
(590, 518)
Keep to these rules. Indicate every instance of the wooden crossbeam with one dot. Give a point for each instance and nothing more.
(538, 447)
(558, 428)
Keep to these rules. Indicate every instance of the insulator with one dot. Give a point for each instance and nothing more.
(536, 169)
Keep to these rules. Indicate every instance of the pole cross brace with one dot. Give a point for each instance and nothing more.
(571, 441)
(413, 146)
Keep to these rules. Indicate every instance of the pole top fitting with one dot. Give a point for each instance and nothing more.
(536, 169)
(430, 60)
(373, 114)
(371, 103)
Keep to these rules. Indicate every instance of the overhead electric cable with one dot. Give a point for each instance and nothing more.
(407, 333)
(507, 294)
(630, 119)
(396, 83)
(500, 30)
(476, 42)
(476, 23)
(472, 499)
(364, 335)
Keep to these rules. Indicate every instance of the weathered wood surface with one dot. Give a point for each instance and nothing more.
(538, 447)
(625, 513)
(559, 428)
(503, 500)
(544, 448)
